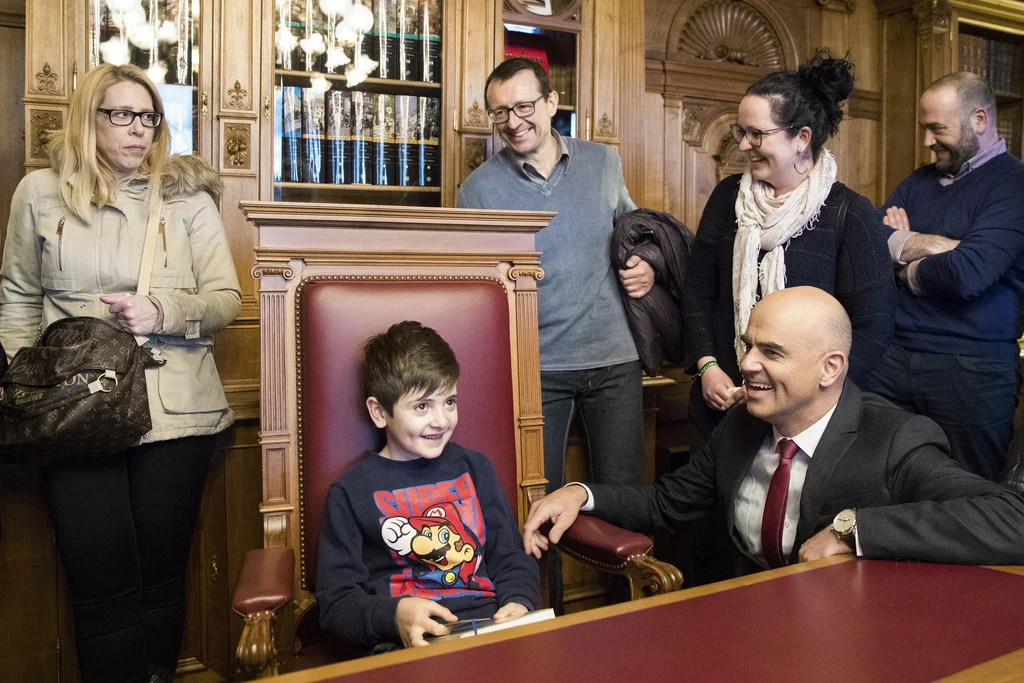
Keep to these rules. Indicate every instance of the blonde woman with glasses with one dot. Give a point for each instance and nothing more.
(124, 523)
(784, 222)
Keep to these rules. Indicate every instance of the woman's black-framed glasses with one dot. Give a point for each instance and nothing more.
(522, 109)
(753, 134)
(124, 117)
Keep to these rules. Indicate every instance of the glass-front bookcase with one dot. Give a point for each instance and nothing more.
(548, 32)
(357, 101)
(161, 37)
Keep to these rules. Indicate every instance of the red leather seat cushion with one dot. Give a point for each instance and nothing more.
(336, 319)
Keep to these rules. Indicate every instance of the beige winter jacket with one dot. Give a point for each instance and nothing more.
(57, 266)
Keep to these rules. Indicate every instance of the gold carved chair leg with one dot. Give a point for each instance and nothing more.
(257, 651)
(648, 576)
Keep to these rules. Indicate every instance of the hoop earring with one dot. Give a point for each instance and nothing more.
(805, 171)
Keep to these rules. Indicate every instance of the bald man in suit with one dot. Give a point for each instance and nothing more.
(810, 466)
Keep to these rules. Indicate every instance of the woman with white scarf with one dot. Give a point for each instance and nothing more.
(779, 225)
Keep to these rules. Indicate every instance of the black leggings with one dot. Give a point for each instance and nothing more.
(124, 525)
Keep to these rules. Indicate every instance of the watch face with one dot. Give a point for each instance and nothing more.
(844, 521)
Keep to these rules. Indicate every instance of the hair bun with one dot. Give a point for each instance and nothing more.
(832, 79)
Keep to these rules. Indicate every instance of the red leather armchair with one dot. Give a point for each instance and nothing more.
(320, 301)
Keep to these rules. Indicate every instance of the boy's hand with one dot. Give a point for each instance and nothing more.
(508, 611)
(414, 619)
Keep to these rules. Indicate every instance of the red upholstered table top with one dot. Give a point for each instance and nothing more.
(849, 621)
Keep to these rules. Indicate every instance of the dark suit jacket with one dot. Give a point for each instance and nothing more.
(913, 502)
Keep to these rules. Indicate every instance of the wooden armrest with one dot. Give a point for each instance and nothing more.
(602, 544)
(265, 582)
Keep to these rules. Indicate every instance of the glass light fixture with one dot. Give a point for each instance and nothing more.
(157, 73)
(319, 84)
(114, 51)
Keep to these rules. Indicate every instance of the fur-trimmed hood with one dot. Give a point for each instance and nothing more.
(184, 174)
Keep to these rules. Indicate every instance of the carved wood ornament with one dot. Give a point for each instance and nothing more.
(236, 145)
(475, 154)
(46, 80)
(475, 116)
(605, 127)
(41, 122)
(238, 98)
(731, 31)
(730, 159)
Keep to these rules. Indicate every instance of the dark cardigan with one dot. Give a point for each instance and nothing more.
(857, 272)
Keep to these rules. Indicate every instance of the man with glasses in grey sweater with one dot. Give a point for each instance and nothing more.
(587, 357)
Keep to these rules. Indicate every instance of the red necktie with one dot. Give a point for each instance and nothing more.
(774, 518)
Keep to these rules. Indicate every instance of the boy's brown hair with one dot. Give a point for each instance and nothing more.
(409, 357)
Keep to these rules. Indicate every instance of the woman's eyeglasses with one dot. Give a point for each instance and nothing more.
(753, 135)
(123, 117)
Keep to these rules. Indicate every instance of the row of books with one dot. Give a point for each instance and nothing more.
(343, 137)
(993, 60)
(405, 40)
(562, 75)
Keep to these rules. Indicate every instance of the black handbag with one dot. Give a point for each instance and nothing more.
(80, 391)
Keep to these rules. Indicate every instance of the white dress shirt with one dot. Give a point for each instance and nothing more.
(749, 505)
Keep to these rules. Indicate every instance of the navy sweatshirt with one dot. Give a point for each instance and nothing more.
(974, 292)
(437, 529)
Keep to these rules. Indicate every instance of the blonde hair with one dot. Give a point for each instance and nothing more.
(85, 176)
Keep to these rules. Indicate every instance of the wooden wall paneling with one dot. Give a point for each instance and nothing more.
(12, 112)
(935, 55)
(51, 70)
(673, 152)
(830, 26)
(236, 109)
(608, 71)
(652, 190)
(477, 46)
(863, 30)
(631, 95)
(30, 635)
(899, 98)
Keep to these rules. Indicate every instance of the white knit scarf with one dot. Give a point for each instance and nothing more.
(767, 223)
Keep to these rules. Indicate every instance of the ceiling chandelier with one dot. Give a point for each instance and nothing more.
(339, 36)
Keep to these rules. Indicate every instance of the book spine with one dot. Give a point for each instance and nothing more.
(291, 135)
(407, 133)
(430, 141)
(338, 136)
(386, 25)
(362, 130)
(312, 135)
(430, 35)
(409, 43)
(383, 144)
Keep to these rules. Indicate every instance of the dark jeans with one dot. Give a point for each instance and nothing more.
(123, 526)
(973, 399)
(610, 402)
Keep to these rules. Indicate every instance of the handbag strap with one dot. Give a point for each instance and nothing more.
(149, 250)
(148, 254)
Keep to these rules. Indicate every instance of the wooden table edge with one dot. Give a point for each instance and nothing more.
(323, 673)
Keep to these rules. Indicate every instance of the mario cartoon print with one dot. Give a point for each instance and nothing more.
(448, 549)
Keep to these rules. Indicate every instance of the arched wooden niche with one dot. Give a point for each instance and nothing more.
(750, 33)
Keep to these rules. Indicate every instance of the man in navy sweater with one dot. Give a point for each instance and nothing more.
(957, 241)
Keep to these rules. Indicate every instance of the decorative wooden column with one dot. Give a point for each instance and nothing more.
(833, 18)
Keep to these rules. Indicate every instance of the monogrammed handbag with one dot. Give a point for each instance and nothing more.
(80, 391)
